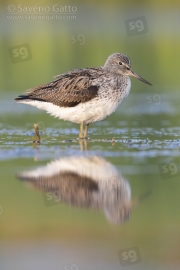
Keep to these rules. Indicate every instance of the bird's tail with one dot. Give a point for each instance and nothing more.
(26, 98)
(22, 98)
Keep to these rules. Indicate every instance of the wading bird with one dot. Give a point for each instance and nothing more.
(86, 95)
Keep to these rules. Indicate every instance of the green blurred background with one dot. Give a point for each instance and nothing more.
(97, 31)
(53, 47)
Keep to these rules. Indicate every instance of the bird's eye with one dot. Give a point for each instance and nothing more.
(120, 63)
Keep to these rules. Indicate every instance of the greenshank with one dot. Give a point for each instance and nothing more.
(86, 95)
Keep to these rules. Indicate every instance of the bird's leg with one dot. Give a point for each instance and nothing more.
(36, 139)
(81, 145)
(81, 131)
(86, 131)
(85, 145)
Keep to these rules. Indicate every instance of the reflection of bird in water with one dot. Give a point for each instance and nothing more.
(89, 182)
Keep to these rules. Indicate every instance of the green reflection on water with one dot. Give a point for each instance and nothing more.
(154, 224)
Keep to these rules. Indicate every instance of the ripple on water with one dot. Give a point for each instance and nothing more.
(156, 133)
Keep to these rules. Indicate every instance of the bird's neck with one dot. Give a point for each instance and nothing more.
(109, 69)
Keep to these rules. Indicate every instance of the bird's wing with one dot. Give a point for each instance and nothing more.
(67, 90)
(67, 187)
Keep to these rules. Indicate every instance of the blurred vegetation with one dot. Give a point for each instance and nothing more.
(99, 30)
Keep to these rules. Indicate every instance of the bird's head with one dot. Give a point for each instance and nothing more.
(120, 63)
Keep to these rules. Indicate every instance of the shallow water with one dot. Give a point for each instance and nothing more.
(51, 229)
(119, 204)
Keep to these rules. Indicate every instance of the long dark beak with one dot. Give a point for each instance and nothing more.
(132, 73)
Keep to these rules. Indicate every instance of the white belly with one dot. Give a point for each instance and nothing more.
(94, 110)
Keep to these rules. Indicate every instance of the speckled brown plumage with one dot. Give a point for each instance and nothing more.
(85, 95)
(67, 90)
